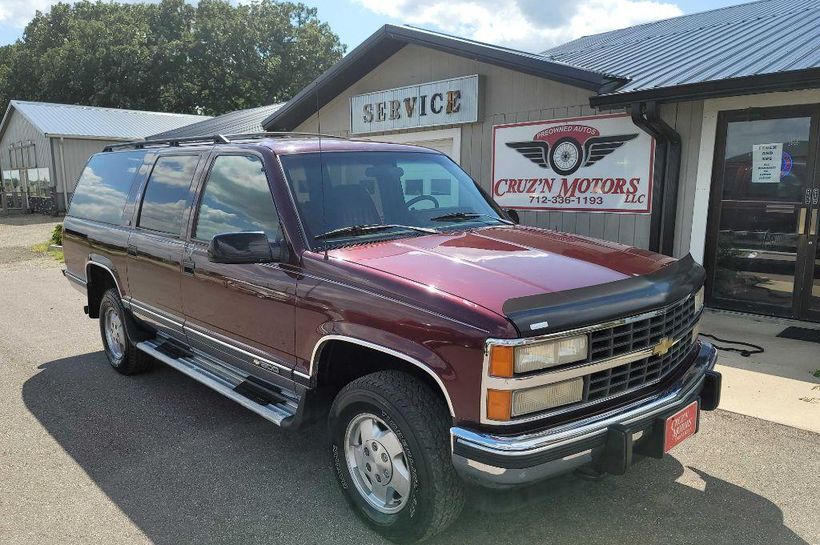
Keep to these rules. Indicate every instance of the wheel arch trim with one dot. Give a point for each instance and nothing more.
(110, 271)
(317, 352)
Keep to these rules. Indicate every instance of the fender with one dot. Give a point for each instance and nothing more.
(97, 260)
(134, 332)
(392, 345)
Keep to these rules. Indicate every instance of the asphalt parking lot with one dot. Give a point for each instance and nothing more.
(90, 456)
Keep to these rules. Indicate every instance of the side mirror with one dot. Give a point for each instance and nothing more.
(513, 215)
(237, 248)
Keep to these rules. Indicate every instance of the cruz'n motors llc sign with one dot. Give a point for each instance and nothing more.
(592, 164)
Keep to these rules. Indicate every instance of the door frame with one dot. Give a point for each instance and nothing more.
(803, 265)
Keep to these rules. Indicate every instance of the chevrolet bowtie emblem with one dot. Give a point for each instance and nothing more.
(664, 346)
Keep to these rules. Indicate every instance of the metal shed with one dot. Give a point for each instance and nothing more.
(44, 146)
(237, 122)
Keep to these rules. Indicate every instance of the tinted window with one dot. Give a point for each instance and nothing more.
(236, 198)
(342, 189)
(104, 186)
(167, 193)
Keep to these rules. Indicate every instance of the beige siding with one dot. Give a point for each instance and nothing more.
(507, 96)
(686, 118)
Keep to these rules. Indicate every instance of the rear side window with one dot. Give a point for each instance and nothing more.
(237, 198)
(166, 193)
(104, 186)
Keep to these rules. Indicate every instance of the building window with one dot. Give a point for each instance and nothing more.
(39, 182)
(11, 180)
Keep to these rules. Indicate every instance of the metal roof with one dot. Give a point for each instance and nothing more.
(238, 122)
(769, 37)
(95, 122)
(389, 39)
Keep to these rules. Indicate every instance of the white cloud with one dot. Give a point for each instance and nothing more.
(18, 13)
(530, 25)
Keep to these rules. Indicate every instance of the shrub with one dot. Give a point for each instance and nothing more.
(57, 235)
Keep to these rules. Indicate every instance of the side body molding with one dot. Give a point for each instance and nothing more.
(314, 359)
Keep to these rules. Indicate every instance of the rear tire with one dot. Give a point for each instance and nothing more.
(122, 354)
(410, 428)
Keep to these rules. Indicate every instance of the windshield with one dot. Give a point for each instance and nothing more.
(346, 197)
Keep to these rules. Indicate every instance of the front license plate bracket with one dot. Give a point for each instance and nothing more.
(621, 449)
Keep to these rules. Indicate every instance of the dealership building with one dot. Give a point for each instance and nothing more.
(697, 134)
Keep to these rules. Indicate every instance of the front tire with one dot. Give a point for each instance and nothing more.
(122, 354)
(390, 445)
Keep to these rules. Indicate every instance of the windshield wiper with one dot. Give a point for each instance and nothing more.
(467, 216)
(360, 230)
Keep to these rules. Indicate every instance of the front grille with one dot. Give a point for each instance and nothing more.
(676, 322)
(673, 323)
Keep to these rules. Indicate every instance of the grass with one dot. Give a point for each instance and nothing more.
(816, 373)
(43, 248)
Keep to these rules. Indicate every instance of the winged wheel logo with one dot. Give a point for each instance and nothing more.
(566, 148)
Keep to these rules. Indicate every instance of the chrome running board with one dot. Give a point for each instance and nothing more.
(278, 405)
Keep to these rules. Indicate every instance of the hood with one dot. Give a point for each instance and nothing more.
(491, 266)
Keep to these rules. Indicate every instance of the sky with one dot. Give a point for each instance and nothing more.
(529, 25)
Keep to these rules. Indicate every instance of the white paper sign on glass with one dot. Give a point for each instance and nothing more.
(598, 163)
(766, 162)
(446, 102)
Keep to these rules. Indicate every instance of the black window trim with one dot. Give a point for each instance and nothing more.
(196, 205)
(155, 232)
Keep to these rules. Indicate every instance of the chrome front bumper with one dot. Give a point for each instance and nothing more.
(507, 461)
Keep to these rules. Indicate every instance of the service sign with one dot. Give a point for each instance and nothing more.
(446, 102)
(592, 164)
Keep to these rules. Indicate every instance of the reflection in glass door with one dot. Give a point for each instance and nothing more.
(761, 253)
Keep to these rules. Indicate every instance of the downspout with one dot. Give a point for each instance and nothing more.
(666, 182)
(671, 180)
(62, 171)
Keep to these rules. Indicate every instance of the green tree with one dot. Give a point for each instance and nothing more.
(169, 56)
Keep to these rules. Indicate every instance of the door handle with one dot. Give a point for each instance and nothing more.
(801, 221)
(188, 267)
(131, 250)
(813, 222)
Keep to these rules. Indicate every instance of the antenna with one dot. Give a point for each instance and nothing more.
(321, 162)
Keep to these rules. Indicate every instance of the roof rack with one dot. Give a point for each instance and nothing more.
(216, 139)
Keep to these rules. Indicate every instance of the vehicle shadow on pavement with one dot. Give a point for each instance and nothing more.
(187, 465)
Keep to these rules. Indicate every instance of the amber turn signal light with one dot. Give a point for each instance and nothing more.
(499, 404)
(502, 361)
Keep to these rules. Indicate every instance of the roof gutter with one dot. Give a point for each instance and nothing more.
(90, 137)
(646, 115)
(747, 85)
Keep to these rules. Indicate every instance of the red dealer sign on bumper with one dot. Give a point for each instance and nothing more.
(592, 164)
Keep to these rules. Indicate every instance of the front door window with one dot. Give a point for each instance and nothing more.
(760, 242)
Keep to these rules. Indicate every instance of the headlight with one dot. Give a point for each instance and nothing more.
(699, 300)
(504, 360)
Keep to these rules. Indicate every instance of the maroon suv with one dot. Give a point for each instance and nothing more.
(377, 287)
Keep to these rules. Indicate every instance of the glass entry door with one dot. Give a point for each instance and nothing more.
(762, 240)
